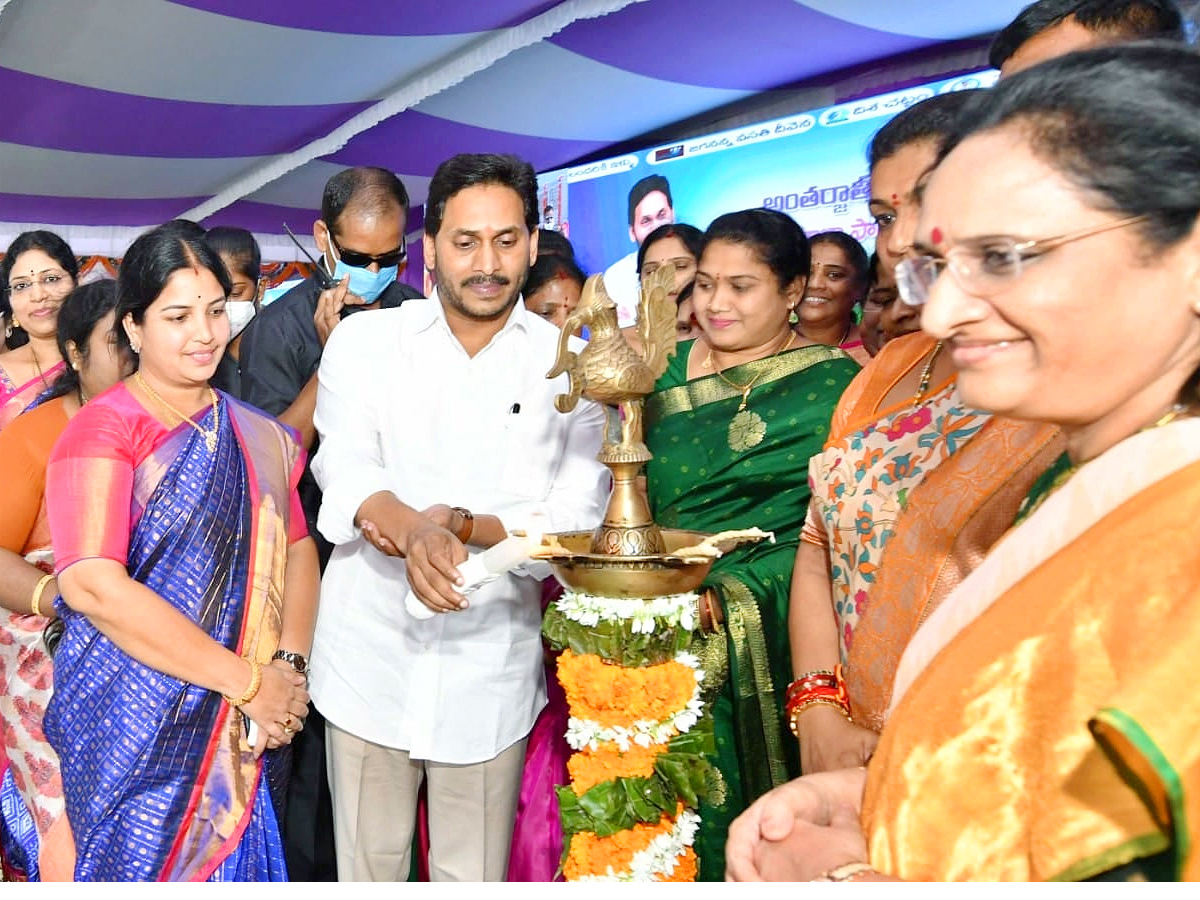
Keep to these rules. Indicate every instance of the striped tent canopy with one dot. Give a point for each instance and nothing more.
(121, 114)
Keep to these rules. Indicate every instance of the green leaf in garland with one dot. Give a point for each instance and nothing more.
(614, 641)
(681, 773)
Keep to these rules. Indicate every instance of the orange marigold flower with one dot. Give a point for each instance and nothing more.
(589, 768)
(592, 855)
(616, 696)
(687, 867)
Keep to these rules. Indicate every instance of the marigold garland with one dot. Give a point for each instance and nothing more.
(641, 736)
(592, 855)
(617, 696)
(687, 867)
(591, 767)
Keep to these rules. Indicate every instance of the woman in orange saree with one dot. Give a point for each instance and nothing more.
(910, 490)
(1043, 723)
(35, 839)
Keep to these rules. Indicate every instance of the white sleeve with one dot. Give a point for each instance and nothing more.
(348, 465)
(579, 491)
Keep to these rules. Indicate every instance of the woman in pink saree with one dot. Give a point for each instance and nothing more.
(188, 594)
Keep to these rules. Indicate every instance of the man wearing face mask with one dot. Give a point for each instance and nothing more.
(364, 213)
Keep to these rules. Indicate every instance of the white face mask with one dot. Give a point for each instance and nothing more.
(240, 313)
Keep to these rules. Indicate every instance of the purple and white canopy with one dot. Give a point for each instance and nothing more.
(118, 115)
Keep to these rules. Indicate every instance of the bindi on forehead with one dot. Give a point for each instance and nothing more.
(936, 235)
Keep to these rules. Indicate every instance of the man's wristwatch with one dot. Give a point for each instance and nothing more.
(295, 660)
(468, 525)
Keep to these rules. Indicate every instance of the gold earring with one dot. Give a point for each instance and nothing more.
(793, 317)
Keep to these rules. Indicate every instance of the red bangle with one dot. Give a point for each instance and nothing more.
(820, 688)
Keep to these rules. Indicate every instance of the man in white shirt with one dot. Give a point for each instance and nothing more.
(650, 206)
(439, 436)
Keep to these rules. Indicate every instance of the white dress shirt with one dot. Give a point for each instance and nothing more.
(401, 407)
(621, 282)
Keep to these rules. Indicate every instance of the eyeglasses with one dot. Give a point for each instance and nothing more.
(51, 282)
(879, 298)
(361, 260)
(985, 265)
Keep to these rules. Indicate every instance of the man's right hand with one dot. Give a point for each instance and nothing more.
(330, 303)
(431, 553)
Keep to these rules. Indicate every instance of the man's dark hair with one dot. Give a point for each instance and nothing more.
(471, 169)
(931, 119)
(648, 185)
(369, 188)
(1120, 20)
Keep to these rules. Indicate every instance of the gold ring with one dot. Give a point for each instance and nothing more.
(287, 730)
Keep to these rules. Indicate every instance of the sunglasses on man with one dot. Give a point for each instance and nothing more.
(361, 260)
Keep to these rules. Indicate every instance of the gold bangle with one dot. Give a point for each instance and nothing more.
(35, 604)
(794, 716)
(846, 872)
(252, 690)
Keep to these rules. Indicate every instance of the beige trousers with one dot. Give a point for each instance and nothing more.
(374, 789)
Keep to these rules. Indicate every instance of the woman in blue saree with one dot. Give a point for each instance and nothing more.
(188, 586)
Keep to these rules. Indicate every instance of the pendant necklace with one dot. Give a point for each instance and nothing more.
(209, 434)
(747, 428)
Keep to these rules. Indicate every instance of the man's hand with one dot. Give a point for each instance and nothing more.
(445, 517)
(376, 539)
(329, 308)
(433, 556)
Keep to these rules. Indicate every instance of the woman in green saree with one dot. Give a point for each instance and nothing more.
(732, 424)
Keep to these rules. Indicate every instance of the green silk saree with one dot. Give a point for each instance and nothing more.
(718, 466)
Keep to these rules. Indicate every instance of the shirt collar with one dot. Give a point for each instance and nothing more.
(433, 314)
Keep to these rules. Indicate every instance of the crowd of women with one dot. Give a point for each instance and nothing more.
(977, 450)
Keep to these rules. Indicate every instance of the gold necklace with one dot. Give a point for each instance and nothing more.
(1032, 501)
(926, 375)
(747, 428)
(38, 366)
(209, 435)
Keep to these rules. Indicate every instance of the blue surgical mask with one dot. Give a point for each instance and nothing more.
(363, 282)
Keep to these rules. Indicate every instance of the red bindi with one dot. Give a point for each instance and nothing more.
(895, 199)
(936, 235)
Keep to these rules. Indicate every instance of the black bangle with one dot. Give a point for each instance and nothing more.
(297, 661)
